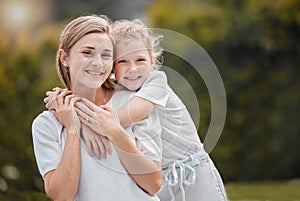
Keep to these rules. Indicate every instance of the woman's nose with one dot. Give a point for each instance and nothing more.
(97, 62)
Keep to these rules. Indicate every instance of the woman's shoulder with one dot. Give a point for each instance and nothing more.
(46, 120)
(45, 116)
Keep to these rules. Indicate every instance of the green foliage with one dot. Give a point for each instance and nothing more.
(255, 45)
(24, 78)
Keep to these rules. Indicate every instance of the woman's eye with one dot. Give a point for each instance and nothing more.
(106, 56)
(87, 52)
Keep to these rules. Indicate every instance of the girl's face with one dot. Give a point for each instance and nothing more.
(133, 64)
(90, 60)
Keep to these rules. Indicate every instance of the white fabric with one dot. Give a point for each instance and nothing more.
(192, 179)
(104, 179)
(186, 176)
(179, 134)
(147, 132)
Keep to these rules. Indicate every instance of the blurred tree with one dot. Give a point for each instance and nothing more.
(116, 9)
(24, 78)
(255, 45)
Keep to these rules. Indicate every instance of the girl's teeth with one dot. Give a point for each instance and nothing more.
(133, 78)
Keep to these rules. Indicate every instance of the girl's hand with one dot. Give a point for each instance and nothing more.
(50, 95)
(95, 143)
(63, 108)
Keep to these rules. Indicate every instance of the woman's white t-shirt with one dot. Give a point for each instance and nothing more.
(100, 179)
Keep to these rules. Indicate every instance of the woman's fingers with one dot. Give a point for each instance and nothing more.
(89, 104)
(84, 118)
(84, 108)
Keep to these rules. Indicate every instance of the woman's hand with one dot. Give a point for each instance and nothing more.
(103, 119)
(95, 143)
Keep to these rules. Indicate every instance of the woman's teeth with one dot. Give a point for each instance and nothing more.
(95, 73)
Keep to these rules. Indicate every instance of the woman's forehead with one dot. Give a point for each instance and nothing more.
(95, 40)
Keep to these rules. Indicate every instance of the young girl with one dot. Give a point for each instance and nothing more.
(188, 172)
(84, 62)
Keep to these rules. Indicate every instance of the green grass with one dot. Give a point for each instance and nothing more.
(264, 191)
(237, 191)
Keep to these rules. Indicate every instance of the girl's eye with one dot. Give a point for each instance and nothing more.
(121, 61)
(141, 60)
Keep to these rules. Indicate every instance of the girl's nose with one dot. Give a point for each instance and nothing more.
(132, 68)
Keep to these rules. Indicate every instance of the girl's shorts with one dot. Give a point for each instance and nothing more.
(194, 178)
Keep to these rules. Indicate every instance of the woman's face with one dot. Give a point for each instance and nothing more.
(133, 64)
(90, 60)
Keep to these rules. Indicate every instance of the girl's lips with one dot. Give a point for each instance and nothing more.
(133, 78)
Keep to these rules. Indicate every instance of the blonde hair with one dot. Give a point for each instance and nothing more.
(125, 31)
(72, 33)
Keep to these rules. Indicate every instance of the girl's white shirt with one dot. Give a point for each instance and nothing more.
(179, 133)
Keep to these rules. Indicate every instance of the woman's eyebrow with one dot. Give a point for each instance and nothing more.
(93, 48)
(88, 47)
(107, 50)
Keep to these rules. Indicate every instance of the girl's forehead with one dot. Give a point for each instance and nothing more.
(130, 47)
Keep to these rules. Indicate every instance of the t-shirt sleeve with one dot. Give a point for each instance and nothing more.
(46, 142)
(147, 133)
(155, 88)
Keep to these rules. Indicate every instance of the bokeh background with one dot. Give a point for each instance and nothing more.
(255, 45)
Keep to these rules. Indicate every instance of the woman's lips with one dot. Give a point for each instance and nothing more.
(94, 73)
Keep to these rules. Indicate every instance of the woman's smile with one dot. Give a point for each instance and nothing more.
(95, 73)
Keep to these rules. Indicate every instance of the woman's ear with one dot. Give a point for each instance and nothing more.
(63, 57)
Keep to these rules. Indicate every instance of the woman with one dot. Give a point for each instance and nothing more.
(84, 61)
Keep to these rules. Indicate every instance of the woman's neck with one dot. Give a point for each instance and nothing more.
(98, 96)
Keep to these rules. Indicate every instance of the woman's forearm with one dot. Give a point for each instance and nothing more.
(144, 171)
(62, 183)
